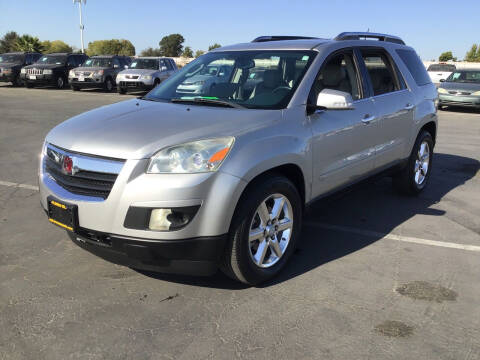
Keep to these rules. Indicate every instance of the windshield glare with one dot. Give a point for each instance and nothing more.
(150, 64)
(98, 62)
(464, 77)
(252, 79)
(11, 58)
(56, 60)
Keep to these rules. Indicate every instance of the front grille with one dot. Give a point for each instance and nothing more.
(82, 182)
(82, 73)
(134, 77)
(34, 71)
(131, 84)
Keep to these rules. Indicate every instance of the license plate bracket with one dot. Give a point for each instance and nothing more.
(62, 214)
(32, 77)
(81, 78)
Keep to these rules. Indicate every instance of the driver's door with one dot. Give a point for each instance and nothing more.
(343, 140)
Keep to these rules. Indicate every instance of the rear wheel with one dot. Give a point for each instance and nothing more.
(264, 231)
(414, 177)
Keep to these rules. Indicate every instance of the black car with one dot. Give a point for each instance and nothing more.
(12, 63)
(98, 72)
(51, 69)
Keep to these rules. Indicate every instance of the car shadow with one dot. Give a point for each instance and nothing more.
(460, 109)
(372, 205)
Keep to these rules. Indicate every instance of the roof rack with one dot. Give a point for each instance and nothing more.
(280, 37)
(369, 35)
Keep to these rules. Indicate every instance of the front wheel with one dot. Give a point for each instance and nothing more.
(121, 91)
(414, 177)
(61, 82)
(108, 86)
(17, 81)
(264, 230)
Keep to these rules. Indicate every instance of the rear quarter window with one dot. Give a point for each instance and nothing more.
(415, 66)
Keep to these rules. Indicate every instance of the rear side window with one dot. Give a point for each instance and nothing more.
(415, 66)
(381, 71)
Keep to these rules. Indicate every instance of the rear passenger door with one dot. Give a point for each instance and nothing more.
(394, 104)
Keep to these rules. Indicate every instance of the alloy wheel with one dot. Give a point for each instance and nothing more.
(421, 163)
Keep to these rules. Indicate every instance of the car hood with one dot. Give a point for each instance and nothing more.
(196, 78)
(136, 129)
(472, 87)
(44, 66)
(137, 72)
(90, 68)
(9, 65)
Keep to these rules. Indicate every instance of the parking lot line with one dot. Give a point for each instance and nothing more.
(394, 237)
(23, 186)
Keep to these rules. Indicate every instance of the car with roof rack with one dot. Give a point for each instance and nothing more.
(51, 69)
(98, 72)
(189, 183)
(144, 73)
(12, 63)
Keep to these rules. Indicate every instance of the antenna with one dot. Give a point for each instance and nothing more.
(81, 23)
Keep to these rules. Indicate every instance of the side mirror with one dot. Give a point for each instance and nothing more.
(442, 80)
(330, 99)
(163, 68)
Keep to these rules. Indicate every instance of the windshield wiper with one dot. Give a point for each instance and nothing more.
(200, 100)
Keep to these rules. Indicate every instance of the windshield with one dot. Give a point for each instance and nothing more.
(151, 64)
(441, 68)
(98, 62)
(465, 77)
(55, 59)
(11, 58)
(252, 79)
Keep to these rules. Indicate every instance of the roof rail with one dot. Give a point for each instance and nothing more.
(280, 37)
(369, 35)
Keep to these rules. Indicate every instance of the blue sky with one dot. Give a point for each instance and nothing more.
(429, 26)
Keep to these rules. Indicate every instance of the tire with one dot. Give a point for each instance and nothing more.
(121, 91)
(28, 85)
(409, 180)
(17, 81)
(155, 83)
(75, 88)
(108, 85)
(243, 260)
(60, 82)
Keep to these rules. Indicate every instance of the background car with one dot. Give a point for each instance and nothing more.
(462, 88)
(202, 79)
(51, 69)
(144, 73)
(98, 72)
(12, 63)
(440, 71)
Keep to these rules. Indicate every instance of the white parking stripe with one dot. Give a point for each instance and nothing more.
(394, 237)
(23, 186)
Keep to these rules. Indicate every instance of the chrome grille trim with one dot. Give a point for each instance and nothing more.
(34, 71)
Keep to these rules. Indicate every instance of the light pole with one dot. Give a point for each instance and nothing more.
(81, 24)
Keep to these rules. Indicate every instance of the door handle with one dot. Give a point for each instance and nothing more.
(367, 119)
(408, 106)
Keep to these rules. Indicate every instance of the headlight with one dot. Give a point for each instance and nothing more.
(98, 72)
(47, 71)
(194, 157)
(476, 93)
(71, 73)
(442, 91)
(146, 77)
(23, 71)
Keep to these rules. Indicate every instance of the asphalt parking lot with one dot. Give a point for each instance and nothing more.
(377, 275)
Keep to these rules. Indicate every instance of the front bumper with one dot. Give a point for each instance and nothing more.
(39, 79)
(459, 100)
(88, 83)
(134, 85)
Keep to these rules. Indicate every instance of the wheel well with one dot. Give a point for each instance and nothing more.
(292, 172)
(431, 128)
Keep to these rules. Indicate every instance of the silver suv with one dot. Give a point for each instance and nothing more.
(144, 73)
(174, 182)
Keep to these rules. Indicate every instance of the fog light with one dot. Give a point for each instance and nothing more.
(159, 219)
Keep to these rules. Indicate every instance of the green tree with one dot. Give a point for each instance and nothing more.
(111, 47)
(28, 43)
(151, 52)
(171, 45)
(199, 53)
(446, 56)
(187, 52)
(473, 54)
(214, 46)
(8, 42)
(56, 46)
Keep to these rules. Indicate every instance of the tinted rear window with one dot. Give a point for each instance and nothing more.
(441, 68)
(415, 66)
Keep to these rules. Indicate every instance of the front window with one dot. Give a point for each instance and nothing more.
(150, 64)
(98, 62)
(52, 60)
(12, 58)
(251, 79)
(465, 77)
